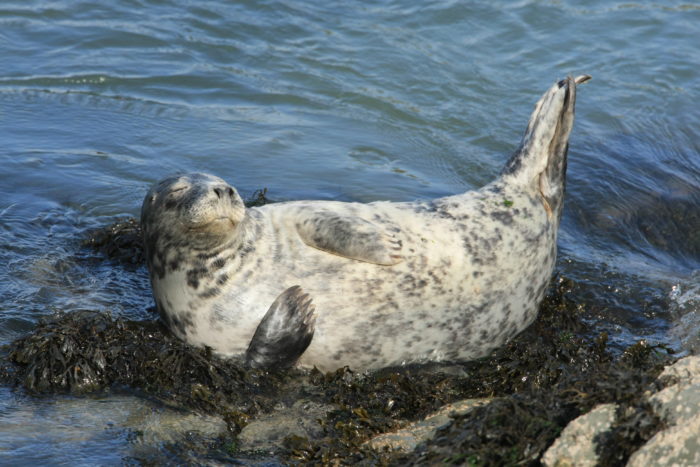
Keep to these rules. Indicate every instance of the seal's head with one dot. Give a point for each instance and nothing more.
(198, 210)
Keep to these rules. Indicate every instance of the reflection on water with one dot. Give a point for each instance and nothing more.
(368, 101)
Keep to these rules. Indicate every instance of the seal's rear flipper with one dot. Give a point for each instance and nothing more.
(540, 161)
(284, 333)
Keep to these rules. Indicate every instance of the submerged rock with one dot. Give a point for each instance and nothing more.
(269, 431)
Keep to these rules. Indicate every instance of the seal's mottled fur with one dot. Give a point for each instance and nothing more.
(448, 279)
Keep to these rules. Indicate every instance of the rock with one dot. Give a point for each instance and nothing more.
(576, 445)
(409, 437)
(679, 405)
(677, 446)
(680, 402)
(686, 370)
(267, 432)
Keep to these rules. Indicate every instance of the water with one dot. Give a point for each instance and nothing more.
(334, 100)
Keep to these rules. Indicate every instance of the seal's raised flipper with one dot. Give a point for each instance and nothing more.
(539, 164)
(284, 333)
(349, 236)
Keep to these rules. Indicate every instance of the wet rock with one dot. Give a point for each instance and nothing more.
(409, 437)
(76, 430)
(677, 446)
(679, 405)
(684, 305)
(577, 443)
(268, 432)
(680, 402)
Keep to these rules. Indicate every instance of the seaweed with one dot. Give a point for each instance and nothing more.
(120, 241)
(258, 198)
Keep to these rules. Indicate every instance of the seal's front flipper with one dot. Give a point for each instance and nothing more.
(350, 236)
(284, 333)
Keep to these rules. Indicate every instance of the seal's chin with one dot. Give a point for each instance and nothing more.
(218, 225)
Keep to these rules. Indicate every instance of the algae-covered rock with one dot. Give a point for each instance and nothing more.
(678, 405)
(576, 445)
(120, 241)
(677, 446)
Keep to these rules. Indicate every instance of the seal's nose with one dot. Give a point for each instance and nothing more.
(223, 191)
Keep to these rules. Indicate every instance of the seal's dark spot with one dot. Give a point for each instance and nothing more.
(506, 217)
(211, 292)
(195, 274)
(180, 323)
(222, 279)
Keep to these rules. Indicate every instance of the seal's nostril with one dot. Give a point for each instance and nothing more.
(219, 192)
(230, 192)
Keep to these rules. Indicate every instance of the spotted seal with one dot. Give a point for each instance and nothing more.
(329, 284)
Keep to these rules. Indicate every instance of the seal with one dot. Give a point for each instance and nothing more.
(329, 284)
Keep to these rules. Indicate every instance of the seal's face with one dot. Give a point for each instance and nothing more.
(199, 209)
